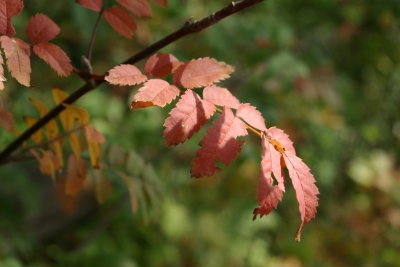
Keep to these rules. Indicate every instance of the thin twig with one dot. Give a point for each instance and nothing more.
(251, 129)
(189, 28)
(96, 26)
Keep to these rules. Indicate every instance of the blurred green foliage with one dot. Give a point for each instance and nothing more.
(326, 72)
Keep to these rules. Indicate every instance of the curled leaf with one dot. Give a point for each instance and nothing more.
(155, 92)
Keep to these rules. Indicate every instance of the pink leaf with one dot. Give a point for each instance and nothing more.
(125, 75)
(201, 72)
(55, 57)
(274, 133)
(161, 3)
(6, 120)
(140, 8)
(268, 195)
(18, 62)
(76, 174)
(220, 97)
(155, 92)
(41, 29)
(252, 116)
(186, 118)
(219, 143)
(306, 191)
(160, 65)
(9, 9)
(121, 21)
(93, 135)
(94, 5)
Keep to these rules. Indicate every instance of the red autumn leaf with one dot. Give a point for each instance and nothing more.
(76, 173)
(94, 5)
(219, 143)
(220, 97)
(121, 21)
(2, 78)
(201, 72)
(125, 75)
(268, 195)
(306, 191)
(186, 118)
(155, 92)
(93, 135)
(41, 29)
(18, 62)
(9, 9)
(6, 120)
(252, 116)
(140, 8)
(160, 65)
(55, 57)
(161, 3)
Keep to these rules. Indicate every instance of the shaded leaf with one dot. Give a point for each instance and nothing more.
(38, 135)
(201, 72)
(2, 78)
(160, 65)
(102, 186)
(140, 8)
(161, 3)
(55, 57)
(306, 191)
(94, 5)
(268, 195)
(131, 188)
(9, 9)
(125, 75)
(219, 143)
(6, 120)
(252, 116)
(41, 29)
(155, 92)
(93, 135)
(76, 174)
(186, 118)
(220, 97)
(18, 62)
(121, 21)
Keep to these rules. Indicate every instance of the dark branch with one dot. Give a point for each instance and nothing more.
(189, 28)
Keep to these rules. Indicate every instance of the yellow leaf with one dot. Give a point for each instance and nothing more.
(57, 148)
(80, 115)
(59, 95)
(51, 126)
(75, 145)
(48, 163)
(94, 152)
(37, 136)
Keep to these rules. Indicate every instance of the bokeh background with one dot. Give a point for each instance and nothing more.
(326, 72)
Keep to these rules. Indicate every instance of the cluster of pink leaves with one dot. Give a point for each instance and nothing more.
(40, 30)
(120, 16)
(192, 111)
